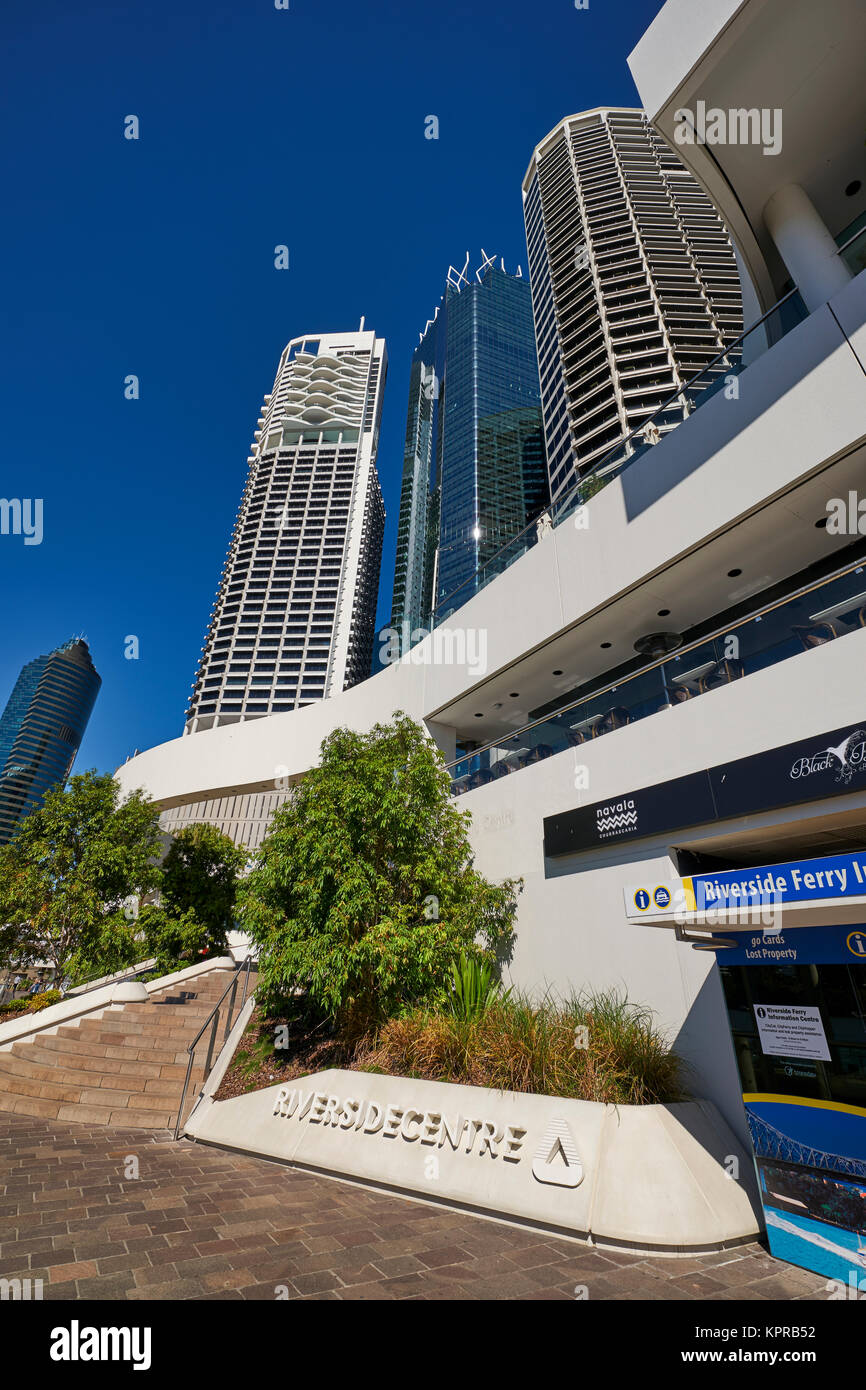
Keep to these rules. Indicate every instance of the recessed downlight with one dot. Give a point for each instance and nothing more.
(513, 695)
(663, 613)
(556, 673)
(852, 188)
(479, 716)
(821, 523)
(606, 644)
(733, 574)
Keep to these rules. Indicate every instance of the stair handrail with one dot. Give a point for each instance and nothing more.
(213, 1019)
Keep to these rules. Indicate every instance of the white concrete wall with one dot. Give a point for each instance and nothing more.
(572, 931)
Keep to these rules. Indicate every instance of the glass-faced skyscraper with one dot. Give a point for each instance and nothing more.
(473, 463)
(296, 607)
(42, 727)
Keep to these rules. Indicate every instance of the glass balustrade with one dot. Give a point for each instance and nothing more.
(824, 612)
(717, 376)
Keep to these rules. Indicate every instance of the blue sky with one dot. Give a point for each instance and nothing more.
(258, 127)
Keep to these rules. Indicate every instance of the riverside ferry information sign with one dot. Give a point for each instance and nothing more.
(832, 878)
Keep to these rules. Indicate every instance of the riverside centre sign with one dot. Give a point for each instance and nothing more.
(434, 1128)
(651, 1176)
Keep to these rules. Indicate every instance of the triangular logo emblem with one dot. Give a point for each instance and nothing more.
(556, 1159)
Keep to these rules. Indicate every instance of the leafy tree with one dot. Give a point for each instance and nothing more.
(199, 885)
(68, 871)
(364, 893)
(173, 940)
(200, 875)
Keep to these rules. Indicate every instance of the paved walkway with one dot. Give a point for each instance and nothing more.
(199, 1223)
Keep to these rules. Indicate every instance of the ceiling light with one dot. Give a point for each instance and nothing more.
(732, 574)
(853, 188)
(656, 644)
(663, 613)
(557, 673)
(821, 523)
(513, 695)
(606, 644)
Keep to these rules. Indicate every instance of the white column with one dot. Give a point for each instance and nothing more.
(805, 245)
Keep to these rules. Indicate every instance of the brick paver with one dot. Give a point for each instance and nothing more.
(201, 1223)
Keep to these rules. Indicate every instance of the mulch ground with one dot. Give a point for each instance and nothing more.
(310, 1049)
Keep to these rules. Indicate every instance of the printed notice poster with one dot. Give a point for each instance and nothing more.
(789, 1030)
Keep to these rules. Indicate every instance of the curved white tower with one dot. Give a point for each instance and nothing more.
(634, 284)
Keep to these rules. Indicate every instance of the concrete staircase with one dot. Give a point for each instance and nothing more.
(125, 1068)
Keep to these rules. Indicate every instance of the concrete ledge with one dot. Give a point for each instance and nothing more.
(143, 965)
(129, 992)
(201, 968)
(96, 1001)
(649, 1177)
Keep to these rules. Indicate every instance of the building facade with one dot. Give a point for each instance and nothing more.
(295, 611)
(473, 463)
(634, 283)
(673, 692)
(42, 727)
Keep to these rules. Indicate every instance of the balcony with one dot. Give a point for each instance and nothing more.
(809, 617)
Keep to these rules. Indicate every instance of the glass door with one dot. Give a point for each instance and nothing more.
(797, 1011)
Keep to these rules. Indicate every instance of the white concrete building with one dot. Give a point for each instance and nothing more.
(634, 285)
(664, 666)
(295, 611)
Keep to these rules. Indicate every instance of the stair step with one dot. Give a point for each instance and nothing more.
(41, 1090)
(110, 1032)
(152, 1013)
(29, 1105)
(125, 1068)
(32, 1064)
(142, 1119)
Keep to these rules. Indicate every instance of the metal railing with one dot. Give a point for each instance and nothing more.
(212, 1021)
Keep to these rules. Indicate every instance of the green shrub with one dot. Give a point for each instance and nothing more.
(364, 892)
(595, 1047)
(33, 1003)
(173, 941)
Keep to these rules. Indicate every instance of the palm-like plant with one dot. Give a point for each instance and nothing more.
(473, 988)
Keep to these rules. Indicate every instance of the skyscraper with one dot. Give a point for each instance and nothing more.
(634, 284)
(42, 727)
(473, 462)
(296, 606)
